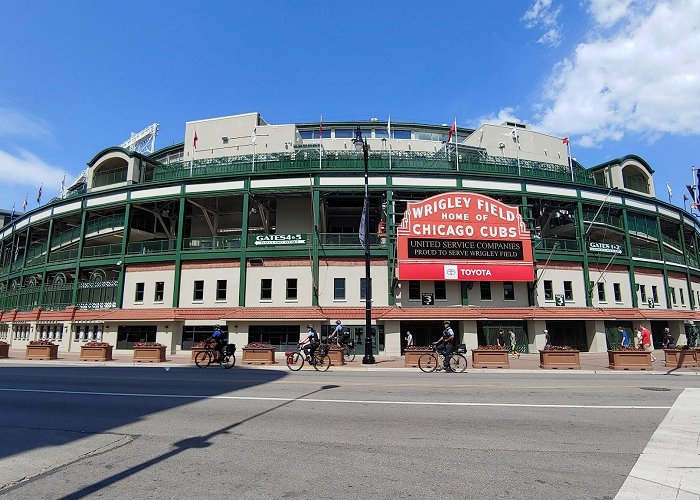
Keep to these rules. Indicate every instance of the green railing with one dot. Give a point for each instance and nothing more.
(35, 253)
(204, 244)
(692, 261)
(153, 246)
(635, 183)
(108, 222)
(642, 225)
(102, 250)
(57, 297)
(348, 240)
(562, 245)
(307, 160)
(97, 294)
(670, 241)
(646, 253)
(106, 178)
(65, 237)
(602, 218)
(4, 270)
(674, 258)
(63, 255)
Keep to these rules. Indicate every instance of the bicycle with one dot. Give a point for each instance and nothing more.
(320, 361)
(349, 351)
(435, 361)
(225, 357)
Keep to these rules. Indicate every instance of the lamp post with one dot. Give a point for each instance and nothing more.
(361, 145)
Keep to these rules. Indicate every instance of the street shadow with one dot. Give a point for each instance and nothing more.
(46, 406)
(203, 441)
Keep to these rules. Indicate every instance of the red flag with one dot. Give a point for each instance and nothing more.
(195, 139)
(565, 140)
(453, 129)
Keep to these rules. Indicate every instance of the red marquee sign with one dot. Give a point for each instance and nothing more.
(464, 237)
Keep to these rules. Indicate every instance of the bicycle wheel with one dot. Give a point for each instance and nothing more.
(323, 362)
(203, 359)
(458, 363)
(295, 361)
(227, 361)
(427, 363)
(348, 355)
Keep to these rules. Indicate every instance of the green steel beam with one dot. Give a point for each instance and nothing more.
(178, 255)
(76, 279)
(119, 299)
(583, 241)
(628, 251)
(316, 196)
(244, 237)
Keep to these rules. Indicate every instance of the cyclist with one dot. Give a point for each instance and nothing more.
(217, 337)
(310, 343)
(447, 340)
(337, 333)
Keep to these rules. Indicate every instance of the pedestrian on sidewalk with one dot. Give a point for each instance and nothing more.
(624, 337)
(500, 340)
(409, 339)
(547, 339)
(669, 341)
(646, 341)
(640, 345)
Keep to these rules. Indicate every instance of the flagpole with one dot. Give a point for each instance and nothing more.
(571, 165)
(320, 142)
(668, 189)
(456, 151)
(388, 129)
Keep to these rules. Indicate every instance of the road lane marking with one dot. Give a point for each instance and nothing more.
(336, 401)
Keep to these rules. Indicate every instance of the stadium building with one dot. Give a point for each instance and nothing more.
(254, 226)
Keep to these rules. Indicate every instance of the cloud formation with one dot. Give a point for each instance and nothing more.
(27, 169)
(638, 74)
(545, 17)
(14, 123)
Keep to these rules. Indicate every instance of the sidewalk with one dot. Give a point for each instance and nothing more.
(590, 363)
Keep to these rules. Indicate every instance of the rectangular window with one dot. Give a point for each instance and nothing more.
(401, 134)
(363, 289)
(655, 294)
(344, 133)
(680, 291)
(485, 290)
(381, 133)
(292, 289)
(198, 290)
(160, 291)
(221, 286)
(315, 134)
(568, 291)
(339, 289)
(601, 292)
(440, 290)
(266, 289)
(138, 296)
(548, 290)
(414, 290)
(673, 296)
(643, 293)
(127, 336)
(618, 292)
(508, 290)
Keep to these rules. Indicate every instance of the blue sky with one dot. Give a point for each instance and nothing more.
(616, 76)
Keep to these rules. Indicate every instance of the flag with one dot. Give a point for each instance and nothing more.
(24, 203)
(253, 135)
(685, 197)
(691, 190)
(38, 195)
(565, 140)
(320, 128)
(63, 184)
(453, 129)
(668, 188)
(388, 127)
(194, 140)
(12, 215)
(364, 237)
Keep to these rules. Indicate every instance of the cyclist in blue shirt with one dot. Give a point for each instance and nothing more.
(310, 343)
(337, 334)
(217, 337)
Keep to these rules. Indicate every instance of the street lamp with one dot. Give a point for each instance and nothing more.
(361, 145)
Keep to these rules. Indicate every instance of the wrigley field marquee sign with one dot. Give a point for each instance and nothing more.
(464, 237)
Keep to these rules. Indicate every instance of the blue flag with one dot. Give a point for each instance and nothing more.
(364, 237)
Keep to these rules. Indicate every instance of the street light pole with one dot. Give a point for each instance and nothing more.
(361, 144)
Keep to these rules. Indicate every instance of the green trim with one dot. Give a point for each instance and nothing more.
(390, 235)
(178, 252)
(628, 251)
(243, 259)
(584, 244)
(119, 299)
(76, 280)
(316, 197)
(619, 161)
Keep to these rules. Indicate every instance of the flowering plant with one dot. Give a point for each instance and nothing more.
(559, 348)
(95, 343)
(489, 348)
(41, 342)
(148, 344)
(416, 348)
(2, 342)
(624, 348)
(257, 345)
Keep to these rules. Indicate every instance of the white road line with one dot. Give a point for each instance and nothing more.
(668, 466)
(338, 401)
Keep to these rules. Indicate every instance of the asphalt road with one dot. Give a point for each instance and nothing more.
(105, 432)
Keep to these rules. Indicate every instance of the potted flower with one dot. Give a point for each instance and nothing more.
(41, 349)
(4, 349)
(560, 356)
(257, 353)
(412, 353)
(96, 351)
(629, 358)
(681, 357)
(149, 352)
(490, 356)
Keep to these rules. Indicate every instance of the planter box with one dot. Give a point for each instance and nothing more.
(95, 353)
(681, 358)
(4, 350)
(411, 356)
(195, 351)
(149, 354)
(490, 358)
(630, 360)
(336, 355)
(259, 356)
(41, 352)
(568, 360)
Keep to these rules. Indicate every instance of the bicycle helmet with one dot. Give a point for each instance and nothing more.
(337, 321)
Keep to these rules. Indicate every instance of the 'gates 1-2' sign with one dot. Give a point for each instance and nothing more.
(464, 236)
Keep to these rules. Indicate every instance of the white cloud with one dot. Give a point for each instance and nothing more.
(14, 123)
(504, 115)
(542, 15)
(643, 78)
(27, 169)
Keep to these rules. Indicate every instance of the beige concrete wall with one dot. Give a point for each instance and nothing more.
(595, 335)
(557, 277)
(680, 284)
(149, 279)
(210, 276)
(608, 278)
(279, 276)
(392, 338)
(352, 274)
(649, 282)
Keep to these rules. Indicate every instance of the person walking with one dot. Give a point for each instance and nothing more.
(646, 341)
(409, 339)
(624, 337)
(500, 340)
(547, 339)
(669, 341)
